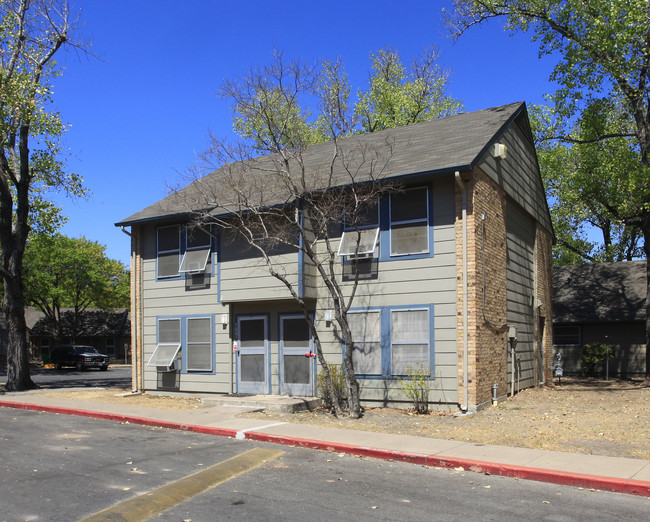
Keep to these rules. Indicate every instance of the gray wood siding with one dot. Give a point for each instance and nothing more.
(172, 298)
(249, 279)
(410, 282)
(244, 281)
(519, 174)
(520, 233)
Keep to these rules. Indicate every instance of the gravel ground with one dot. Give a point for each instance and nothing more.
(579, 416)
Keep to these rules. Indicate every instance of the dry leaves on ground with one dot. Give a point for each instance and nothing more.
(580, 416)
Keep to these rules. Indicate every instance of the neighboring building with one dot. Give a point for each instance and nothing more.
(107, 330)
(477, 225)
(605, 303)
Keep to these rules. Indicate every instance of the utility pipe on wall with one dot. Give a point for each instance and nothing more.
(465, 405)
(135, 385)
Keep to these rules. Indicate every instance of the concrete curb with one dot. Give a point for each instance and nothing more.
(564, 478)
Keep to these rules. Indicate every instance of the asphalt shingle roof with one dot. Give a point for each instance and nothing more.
(600, 292)
(436, 146)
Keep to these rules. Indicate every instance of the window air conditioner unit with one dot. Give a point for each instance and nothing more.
(174, 366)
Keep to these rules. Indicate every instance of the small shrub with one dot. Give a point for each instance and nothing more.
(338, 383)
(594, 356)
(416, 387)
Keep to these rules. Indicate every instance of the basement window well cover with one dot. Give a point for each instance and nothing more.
(359, 242)
(164, 354)
(195, 260)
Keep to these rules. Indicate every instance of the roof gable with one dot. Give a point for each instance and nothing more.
(436, 146)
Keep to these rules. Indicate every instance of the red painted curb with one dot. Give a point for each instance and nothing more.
(564, 478)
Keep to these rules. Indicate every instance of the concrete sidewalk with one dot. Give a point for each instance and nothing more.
(588, 471)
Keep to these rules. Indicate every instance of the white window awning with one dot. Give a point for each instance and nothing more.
(360, 242)
(195, 260)
(164, 354)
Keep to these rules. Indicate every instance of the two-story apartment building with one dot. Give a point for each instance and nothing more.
(459, 279)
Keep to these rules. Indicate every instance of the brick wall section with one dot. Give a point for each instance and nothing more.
(544, 291)
(490, 273)
(487, 354)
(486, 327)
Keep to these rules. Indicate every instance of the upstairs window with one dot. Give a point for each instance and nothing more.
(168, 251)
(361, 237)
(409, 222)
(197, 252)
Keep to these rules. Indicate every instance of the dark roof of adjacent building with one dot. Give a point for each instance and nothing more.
(91, 323)
(600, 292)
(453, 143)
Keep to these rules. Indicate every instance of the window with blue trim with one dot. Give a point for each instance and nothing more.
(409, 340)
(168, 246)
(409, 222)
(191, 336)
(389, 341)
(366, 335)
(198, 244)
(181, 251)
(199, 344)
(361, 233)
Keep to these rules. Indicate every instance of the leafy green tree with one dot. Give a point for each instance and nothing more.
(62, 272)
(398, 96)
(272, 112)
(603, 49)
(583, 181)
(31, 34)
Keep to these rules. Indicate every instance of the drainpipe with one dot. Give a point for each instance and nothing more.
(465, 405)
(135, 385)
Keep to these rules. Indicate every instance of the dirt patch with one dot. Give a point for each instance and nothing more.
(580, 416)
(594, 417)
(119, 396)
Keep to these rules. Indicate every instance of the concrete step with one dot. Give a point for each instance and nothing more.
(279, 403)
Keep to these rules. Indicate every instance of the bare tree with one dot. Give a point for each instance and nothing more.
(309, 181)
(279, 204)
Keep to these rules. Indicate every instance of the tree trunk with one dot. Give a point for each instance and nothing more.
(13, 305)
(354, 402)
(646, 249)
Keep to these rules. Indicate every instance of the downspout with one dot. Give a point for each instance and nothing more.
(465, 404)
(135, 385)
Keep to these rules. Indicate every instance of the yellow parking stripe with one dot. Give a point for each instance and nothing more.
(155, 502)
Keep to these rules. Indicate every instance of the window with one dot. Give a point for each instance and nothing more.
(366, 336)
(192, 334)
(389, 340)
(360, 238)
(362, 242)
(566, 335)
(169, 343)
(199, 344)
(409, 340)
(169, 250)
(197, 251)
(409, 222)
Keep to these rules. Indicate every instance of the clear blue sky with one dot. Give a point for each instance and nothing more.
(140, 114)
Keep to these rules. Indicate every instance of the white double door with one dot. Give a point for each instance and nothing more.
(296, 356)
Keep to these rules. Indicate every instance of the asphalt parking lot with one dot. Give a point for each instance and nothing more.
(117, 376)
